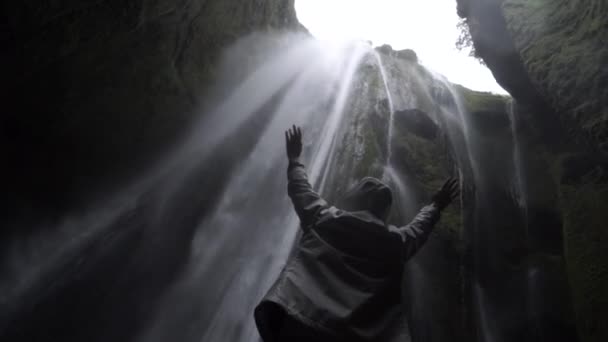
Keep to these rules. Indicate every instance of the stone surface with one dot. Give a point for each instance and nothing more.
(552, 56)
(564, 48)
(433, 284)
(96, 92)
(99, 90)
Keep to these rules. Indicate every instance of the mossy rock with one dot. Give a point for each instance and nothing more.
(408, 55)
(479, 101)
(563, 46)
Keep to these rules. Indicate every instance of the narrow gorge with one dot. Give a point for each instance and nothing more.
(145, 171)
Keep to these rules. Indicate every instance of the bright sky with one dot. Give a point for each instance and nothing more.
(426, 26)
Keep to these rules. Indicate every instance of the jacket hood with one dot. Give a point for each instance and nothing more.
(369, 194)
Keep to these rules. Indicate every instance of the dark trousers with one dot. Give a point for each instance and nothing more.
(293, 331)
(276, 325)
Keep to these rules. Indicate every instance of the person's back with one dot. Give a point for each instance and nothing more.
(342, 282)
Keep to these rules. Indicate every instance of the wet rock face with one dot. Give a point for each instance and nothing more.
(564, 49)
(548, 54)
(493, 44)
(417, 122)
(551, 56)
(101, 88)
(487, 110)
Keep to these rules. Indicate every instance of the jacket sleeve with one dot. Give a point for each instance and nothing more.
(307, 203)
(415, 234)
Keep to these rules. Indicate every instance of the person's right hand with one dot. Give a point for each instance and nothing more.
(448, 192)
(293, 143)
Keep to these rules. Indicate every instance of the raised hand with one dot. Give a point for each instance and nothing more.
(448, 192)
(293, 143)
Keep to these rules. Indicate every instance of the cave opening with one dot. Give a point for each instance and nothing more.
(429, 27)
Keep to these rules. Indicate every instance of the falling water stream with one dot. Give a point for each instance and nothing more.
(518, 172)
(391, 108)
(240, 249)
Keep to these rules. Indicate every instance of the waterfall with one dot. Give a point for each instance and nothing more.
(391, 108)
(222, 189)
(458, 125)
(519, 180)
(402, 192)
(239, 250)
(498, 190)
(326, 151)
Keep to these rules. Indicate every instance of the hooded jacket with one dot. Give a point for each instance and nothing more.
(343, 278)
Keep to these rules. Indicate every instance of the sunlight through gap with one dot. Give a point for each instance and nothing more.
(426, 26)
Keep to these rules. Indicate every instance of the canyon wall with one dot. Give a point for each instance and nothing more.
(552, 56)
(99, 90)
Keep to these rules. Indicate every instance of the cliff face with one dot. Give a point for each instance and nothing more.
(563, 47)
(100, 89)
(392, 132)
(551, 56)
(95, 92)
(498, 255)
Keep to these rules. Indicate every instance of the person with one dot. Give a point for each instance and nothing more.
(343, 280)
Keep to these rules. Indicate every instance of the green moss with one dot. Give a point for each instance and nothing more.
(371, 73)
(450, 224)
(422, 159)
(477, 101)
(562, 45)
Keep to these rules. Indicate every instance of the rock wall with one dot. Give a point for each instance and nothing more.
(418, 164)
(486, 246)
(563, 47)
(100, 89)
(551, 56)
(95, 92)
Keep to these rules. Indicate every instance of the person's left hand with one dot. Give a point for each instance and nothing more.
(448, 192)
(293, 143)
